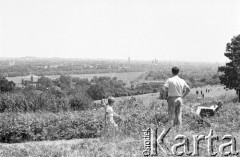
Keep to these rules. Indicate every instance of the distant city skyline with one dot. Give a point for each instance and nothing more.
(168, 30)
(11, 59)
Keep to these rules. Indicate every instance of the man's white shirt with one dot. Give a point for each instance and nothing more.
(175, 86)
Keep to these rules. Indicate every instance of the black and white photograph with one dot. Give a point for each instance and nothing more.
(119, 78)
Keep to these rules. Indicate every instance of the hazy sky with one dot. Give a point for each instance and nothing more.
(185, 30)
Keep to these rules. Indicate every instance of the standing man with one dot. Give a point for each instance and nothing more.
(175, 87)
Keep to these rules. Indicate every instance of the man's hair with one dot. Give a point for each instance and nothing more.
(175, 70)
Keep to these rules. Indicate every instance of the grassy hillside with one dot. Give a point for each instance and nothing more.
(145, 111)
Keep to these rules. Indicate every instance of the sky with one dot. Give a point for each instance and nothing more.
(172, 30)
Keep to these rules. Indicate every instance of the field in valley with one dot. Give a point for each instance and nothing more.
(126, 77)
(141, 114)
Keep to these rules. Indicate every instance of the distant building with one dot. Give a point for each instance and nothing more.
(126, 67)
(47, 67)
(33, 78)
(155, 62)
(12, 63)
(32, 81)
(97, 65)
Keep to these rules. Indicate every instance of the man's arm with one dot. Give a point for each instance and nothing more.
(165, 89)
(186, 92)
(165, 92)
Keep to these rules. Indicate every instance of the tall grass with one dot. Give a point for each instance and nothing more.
(35, 101)
(227, 122)
(137, 116)
(19, 127)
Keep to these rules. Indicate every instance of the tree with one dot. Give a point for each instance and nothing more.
(80, 100)
(215, 76)
(45, 81)
(202, 80)
(230, 76)
(5, 85)
(81, 82)
(65, 80)
(96, 91)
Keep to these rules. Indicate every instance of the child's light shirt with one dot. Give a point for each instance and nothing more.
(110, 114)
(109, 111)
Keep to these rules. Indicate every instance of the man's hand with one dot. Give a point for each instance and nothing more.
(165, 92)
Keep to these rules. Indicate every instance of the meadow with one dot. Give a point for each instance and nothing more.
(140, 113)
(126, 77)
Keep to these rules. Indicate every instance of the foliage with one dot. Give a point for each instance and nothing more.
(104, 86)
(5, 85)
(96, 91)
(79, 100)
(52, 100)
(45, 82)
(137, 115)
(17, 127)
(230, 72)
(81, 82)
(65, 80)
(157, 75)
(57, 67)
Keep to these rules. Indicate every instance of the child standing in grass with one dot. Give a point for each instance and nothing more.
(109, 114)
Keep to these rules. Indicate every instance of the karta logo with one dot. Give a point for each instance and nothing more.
(152, 142)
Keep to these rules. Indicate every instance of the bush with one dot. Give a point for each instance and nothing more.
(80, 101)
(5, 85)
(33, 101)
(96, 91)
(48, 126)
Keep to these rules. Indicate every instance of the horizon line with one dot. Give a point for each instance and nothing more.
(109, 59)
